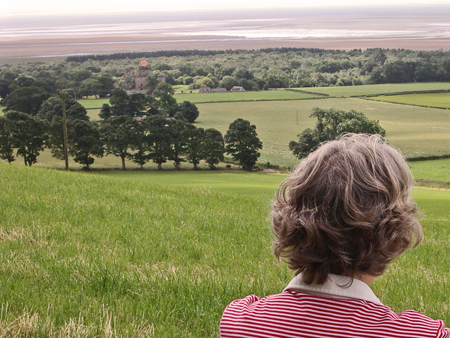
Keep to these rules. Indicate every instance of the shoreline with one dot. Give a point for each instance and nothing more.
(23, 48)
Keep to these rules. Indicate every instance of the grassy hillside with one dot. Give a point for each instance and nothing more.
(96, 256)
(108, 257)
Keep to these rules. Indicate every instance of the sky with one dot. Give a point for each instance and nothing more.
(29, 7)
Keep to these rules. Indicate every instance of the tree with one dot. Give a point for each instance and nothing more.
(276, 78)
(28, 135)
(228, 82)
(213, 147)
(53, 107)
(167, 103)
(242, 143)
(105, 112)
(178, 142)
(84, 142)
(26, 99)
(331, 123)
(152, 83)
(55, 137)
(159, 139)
(139, 142)
(5, 87)
(6, 147)
(189, 111)
(90, 87)
(106, 84)
(124, 104)
(195, 139)
(116, 134)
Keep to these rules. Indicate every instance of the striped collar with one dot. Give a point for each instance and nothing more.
(335, 287)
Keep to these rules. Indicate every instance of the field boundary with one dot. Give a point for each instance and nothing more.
(307, 92)
(266, 100)
(432, 184)
(433, 91)
(428, 158)
(403, 104)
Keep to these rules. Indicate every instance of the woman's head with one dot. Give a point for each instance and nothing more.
(346, 210)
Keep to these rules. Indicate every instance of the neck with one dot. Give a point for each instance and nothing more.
(366, 279)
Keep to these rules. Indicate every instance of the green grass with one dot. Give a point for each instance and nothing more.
(93, 103)
(434, 170)
(93, 114)
(265, 95)
(100, 256)
(114, 257)
(436, 100)
(347, 91)
(234, 182)
(180, 88)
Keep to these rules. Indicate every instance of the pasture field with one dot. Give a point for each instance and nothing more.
(436, 100)
(263, 95)
(100, 256)
(433, 173)
(377, 89)
(93, 114)
(416, 131)
(93, 103)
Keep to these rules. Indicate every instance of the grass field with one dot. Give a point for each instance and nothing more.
(347, 91)
(416, 131)
(161, 256)
(436, 100)
(265, 95)
(195, 97)
(435, 173)
(93, 103)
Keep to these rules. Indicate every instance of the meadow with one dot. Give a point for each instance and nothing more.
(435, 100)
(161, 255)
(264, 95)
(376, 89)
(416, 131)
(93, 103)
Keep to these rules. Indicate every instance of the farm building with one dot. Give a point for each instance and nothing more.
(237, 89)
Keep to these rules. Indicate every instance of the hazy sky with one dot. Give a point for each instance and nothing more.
(9, 7)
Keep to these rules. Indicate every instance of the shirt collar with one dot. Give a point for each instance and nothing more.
(335, 287)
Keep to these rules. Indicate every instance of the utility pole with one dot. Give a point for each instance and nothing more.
(63, 93)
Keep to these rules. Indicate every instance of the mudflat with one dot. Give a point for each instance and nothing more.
(64, 46)
(416, 28)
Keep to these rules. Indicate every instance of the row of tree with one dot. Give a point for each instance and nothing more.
(153, 138)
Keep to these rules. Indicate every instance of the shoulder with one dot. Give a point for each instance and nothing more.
(292, 312)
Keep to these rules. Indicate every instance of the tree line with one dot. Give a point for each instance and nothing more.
(140, 128)
(252, 69)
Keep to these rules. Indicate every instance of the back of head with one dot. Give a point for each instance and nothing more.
(346, 210)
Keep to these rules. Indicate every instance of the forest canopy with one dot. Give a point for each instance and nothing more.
(251, 69)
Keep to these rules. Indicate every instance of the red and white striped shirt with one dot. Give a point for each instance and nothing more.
(328, 310)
